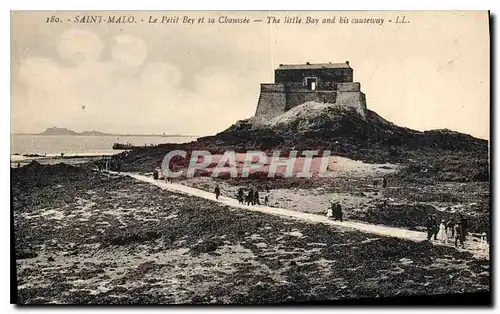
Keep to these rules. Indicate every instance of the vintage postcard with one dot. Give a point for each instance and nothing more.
(250, 157)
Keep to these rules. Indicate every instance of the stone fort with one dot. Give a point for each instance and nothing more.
(295, 84)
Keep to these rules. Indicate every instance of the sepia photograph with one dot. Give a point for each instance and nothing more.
(250, 157)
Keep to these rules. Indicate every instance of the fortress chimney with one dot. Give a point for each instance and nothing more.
(347, 62)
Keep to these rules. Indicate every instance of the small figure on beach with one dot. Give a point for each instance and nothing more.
(432, 227)
(464, 225)
(449, 228)
(241, 196)
(483, 243)
(459, 234)
(266, 198)
(384, 182)
(256, 199)
(443, 236)
(335, 211)
(249, 197)
(156, 173)
(329, 213)
(217, 191)
(338, 212)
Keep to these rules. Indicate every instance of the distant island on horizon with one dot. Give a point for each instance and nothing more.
(65, 131)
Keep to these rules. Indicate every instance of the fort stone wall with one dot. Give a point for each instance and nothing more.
(355, 100)
(272, 101)
(297, 97)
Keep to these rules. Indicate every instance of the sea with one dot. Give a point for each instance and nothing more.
(71, 145)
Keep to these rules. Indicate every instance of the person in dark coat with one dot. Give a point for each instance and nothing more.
(249, 197)
(241, 196)
(155, 174)
(458, 234)
(256, 197)
(430, 227)
(339, 215)
(450, 226)
(464, 227)
(435, 226)
(384, 182)
(217, 191)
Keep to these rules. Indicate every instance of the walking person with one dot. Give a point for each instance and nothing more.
(464, 226)
(435, 227)
(250, 197)
(443, 237)
(266, 199)
(483, 244)
(217, 192)
(155, 174)
(458, 234)
(339, 212)
(449, 228)
(240, 196)
(430, 227)
(256, 199)
(160, 173)
(331, 210)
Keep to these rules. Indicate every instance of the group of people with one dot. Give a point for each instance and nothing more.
(248, 196)
(109, 163)
(251, 196)
(457, 228)
(335, 211)
(158, 175)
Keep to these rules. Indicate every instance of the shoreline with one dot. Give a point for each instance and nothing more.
(107, 135)
(77, 158)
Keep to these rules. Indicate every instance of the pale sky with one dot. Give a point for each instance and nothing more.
(198, 79)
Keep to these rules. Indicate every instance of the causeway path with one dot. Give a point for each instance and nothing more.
(472, 244)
